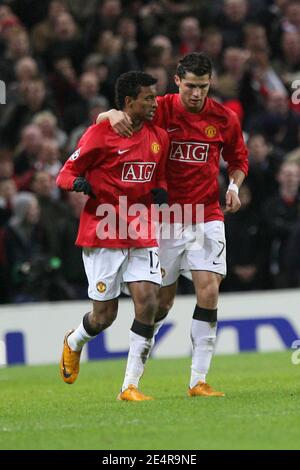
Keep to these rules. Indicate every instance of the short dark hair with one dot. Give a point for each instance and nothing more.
(129, 84)
(197, 63)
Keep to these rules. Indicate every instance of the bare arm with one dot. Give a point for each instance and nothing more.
(119, 121)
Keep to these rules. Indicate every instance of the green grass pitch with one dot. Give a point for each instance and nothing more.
(261, 409)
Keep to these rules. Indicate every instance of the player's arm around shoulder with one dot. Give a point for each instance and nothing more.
(119, 121)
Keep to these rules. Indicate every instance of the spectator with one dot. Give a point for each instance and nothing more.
(26, 69)
(212, 44)
(281, 214)
(26, 156)
(70, 255)
(30, 12)
(43, 186)
(43, 34)
(291, 21)
(48, 159)
(96, 106)
(8, 190)
(289, 64)
(26, 250)
(127, 31)
(77, 112)
(82, 10)
(106, 17)
(233, 68)
(67, 42)
(259, 86)
(160, 53)
(279, 123)
(17, 46)
(95, 63)
(162, 78)
(231, 21)
(18, 115)
(108, 46)
(245, 246)
(6, 167)
(264, 162)
(292, 260)
(64, 83)
(47, 123)
(255, 38)
(9, 22)
(189, 35)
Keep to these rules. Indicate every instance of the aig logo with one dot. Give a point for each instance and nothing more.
(2, 92)
(189, 152)
(138, 172)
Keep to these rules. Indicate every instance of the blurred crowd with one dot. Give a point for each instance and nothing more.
(59, 60)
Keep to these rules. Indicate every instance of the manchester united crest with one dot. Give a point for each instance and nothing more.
(155, 147)
(101, 287)
(210, 131)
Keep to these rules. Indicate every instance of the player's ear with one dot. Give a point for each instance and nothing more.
(128, 101)
(177, 80)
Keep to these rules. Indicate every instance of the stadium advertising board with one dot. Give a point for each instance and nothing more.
(33, 334)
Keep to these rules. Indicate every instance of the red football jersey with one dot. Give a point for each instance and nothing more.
(197, 140)
(116, 167)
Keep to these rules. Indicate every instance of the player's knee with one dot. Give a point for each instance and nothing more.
(209, 291)
(151, 302)
(147, 303)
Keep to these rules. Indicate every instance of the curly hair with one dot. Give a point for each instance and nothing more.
(129, 84)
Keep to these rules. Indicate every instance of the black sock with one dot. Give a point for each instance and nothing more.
(205, 314)
(141, 329)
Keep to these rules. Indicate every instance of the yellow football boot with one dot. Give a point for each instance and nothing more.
(202, 389)
(69, 364)
(132, 394)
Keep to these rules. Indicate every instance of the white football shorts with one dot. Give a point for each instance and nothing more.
(108, 270)
(199, 247)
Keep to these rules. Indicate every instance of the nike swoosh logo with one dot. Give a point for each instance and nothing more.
(122, 151)
(172, 130)
(66, 375)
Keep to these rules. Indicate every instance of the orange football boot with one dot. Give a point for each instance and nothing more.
(69, 364)
(132, 394)
(202, 389)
